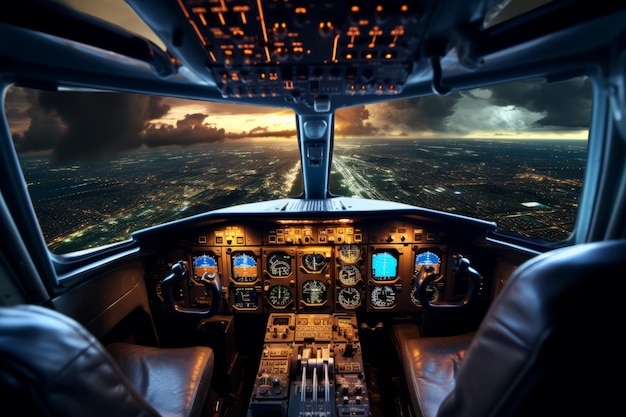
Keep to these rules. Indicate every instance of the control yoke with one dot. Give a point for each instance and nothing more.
(212, 285)
(461, 266)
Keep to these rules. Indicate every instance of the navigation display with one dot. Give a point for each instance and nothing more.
(384, 265)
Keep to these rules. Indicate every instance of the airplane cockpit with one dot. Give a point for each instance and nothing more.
(285, 208)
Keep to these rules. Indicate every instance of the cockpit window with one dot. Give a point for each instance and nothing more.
(513, 153)
(99, 166)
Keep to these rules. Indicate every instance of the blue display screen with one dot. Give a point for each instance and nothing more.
(428, 260)
(384, 266)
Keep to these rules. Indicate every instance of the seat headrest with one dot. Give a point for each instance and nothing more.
(542, 345)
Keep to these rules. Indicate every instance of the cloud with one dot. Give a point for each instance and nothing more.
(189, 131)
(563, 105)
(354, 121)
(86, 125)
(516, 108)
(41, 127)
(93, 125)
(264, 132)
(418, 114)
(78, 125)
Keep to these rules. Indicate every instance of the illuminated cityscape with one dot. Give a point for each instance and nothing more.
(528, 187)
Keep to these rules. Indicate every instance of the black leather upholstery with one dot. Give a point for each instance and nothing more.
(430, 364)
(50, 365)
(174, 381)
(542, 349)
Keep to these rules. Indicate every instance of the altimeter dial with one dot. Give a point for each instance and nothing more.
(349, 298)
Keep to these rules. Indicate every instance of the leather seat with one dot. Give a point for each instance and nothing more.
(50, 365)
(544, 347)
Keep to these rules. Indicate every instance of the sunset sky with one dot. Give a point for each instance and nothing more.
(60, 122)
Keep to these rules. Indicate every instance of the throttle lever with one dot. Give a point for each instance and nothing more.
(211, 284)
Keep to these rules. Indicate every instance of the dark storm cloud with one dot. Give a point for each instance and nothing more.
(80, 125)
(189, 131)
(422, 113)
(20, 100)
(264, 132)
(565, 105)
(87, 125)
(402, 117)
(42, 127)
(353, 121)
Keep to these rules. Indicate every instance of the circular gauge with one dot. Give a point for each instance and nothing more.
(349, 274)
(314, 292)
(279, 295)
(279, 264)
(204, 266)
(429, 259)
(245, 297)
(431, 290)
(383, 296)
(349, 253)
(244, 266)
(314, 262)
(384, 266)
(349, 298)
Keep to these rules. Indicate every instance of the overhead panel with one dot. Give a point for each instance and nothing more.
(306, 50)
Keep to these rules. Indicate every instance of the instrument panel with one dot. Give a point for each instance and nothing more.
(309, 267)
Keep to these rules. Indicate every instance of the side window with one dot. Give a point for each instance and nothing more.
(512, 153)
(99, 166)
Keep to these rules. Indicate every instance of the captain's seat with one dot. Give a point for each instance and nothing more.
(51, 366)
(548, 345)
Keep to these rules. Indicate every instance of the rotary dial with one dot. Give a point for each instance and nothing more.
(279, 264)
(314, 292)
(349, 254)
(279, 295)
(383, 296)
(349, 298)
(314, 262)
(349, 274)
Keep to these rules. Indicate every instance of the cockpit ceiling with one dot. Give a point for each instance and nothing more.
(319, 48)
(314, 56)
